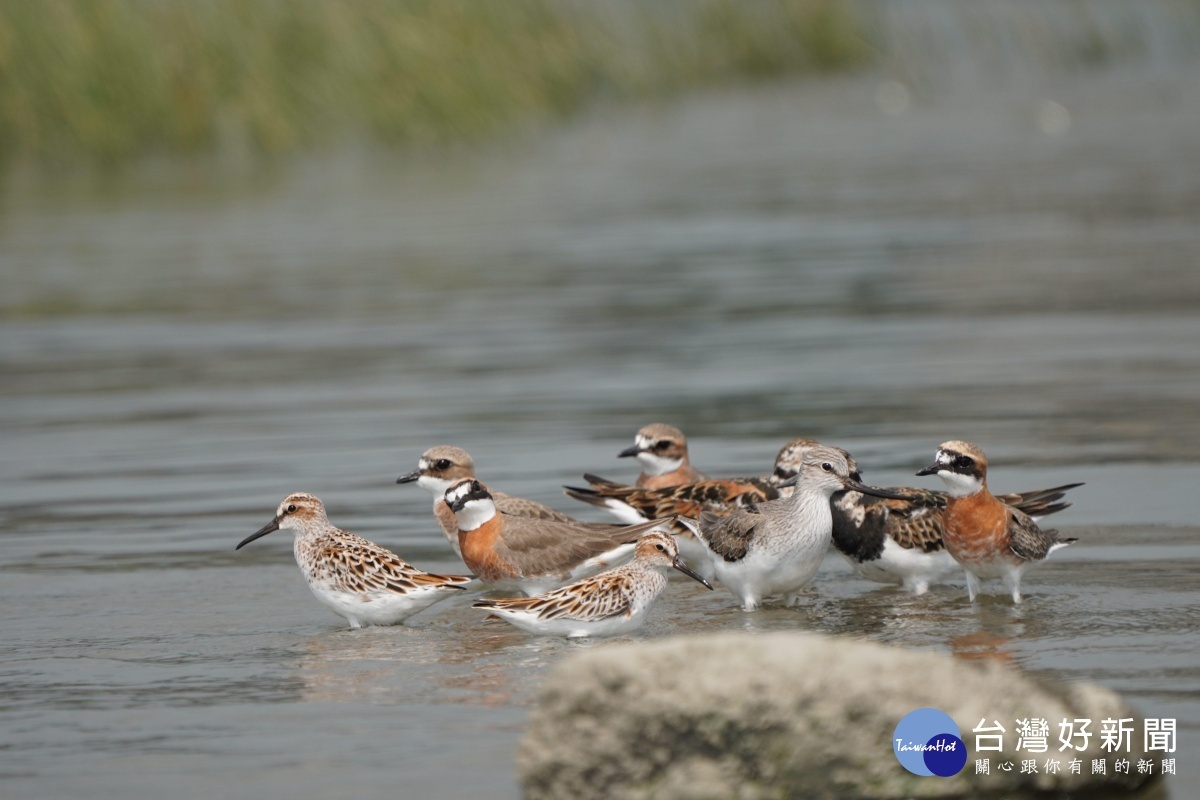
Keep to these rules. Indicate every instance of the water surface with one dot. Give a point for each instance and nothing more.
(183, 347)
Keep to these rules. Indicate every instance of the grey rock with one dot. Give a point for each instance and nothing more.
(791, 715)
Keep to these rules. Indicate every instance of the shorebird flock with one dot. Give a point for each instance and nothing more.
(763, 538)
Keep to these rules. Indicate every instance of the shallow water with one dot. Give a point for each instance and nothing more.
(183, 347)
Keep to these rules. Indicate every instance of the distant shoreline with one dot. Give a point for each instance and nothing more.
(110, 81)
(106, 83)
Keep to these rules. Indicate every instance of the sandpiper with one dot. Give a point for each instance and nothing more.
(439, 467)
(532, 555)
(360, 581)
(987, 537)
(613, 602)
(775, 548)
(663, 452)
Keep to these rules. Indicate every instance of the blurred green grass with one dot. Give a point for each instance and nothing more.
(108, 81)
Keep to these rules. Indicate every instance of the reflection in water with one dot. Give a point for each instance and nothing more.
(982, 646)
(491, 665)
(496, 666)
(348, 667)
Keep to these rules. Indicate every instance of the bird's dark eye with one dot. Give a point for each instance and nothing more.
(660, 548)
(442, 463)
(827, 467)
(662, 445)
(966, 462)
(291, 509)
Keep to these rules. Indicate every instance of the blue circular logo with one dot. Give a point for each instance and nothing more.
(927, 742)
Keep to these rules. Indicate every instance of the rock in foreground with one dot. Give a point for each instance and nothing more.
(791, 715)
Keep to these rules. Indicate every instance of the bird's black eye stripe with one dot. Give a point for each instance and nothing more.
(662, 445)
(966, 462)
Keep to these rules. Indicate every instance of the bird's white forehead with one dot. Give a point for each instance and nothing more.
(423, 465)
(946, 457)
(643, 441)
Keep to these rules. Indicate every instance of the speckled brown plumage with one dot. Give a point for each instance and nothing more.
(614, 601)
(357, 579)
(594, 598)
(351, 563)
(718, 495)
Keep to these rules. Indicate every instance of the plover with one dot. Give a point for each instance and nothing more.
(663, 452)
(987, 537)
(439, 467)
(901, 541)
(531, 555)
(720, 495)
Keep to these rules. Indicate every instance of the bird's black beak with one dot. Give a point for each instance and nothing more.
(271, 526)
(857, 486)
(792, 481)
(932, 469)
(409, 477)
(686, 570)
(629, 451)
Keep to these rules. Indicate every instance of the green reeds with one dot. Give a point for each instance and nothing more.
(111, 80)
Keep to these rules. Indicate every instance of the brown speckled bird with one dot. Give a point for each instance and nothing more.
(360, 581)
(613, 602)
